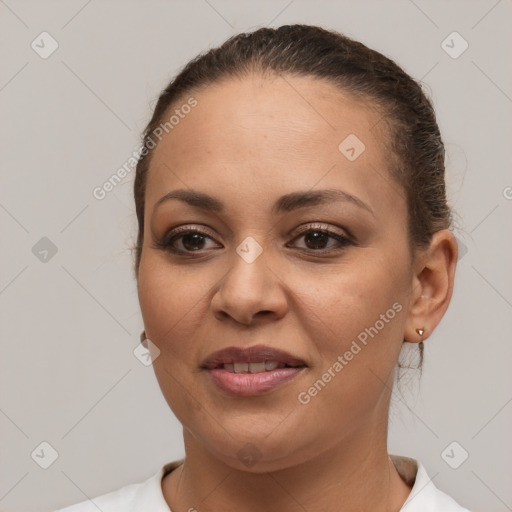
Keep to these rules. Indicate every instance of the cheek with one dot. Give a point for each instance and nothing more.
(356, 312)
(171, 302)
(346, 299)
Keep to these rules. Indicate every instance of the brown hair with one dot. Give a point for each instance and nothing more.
(416, 148)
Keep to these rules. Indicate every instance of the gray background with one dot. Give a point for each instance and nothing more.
(70, 322)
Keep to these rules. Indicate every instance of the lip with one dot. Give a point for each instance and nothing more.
(250, 355)
(251, 384)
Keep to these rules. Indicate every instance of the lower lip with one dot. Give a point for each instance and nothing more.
(252, 384)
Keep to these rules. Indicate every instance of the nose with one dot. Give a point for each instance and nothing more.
(251, 291)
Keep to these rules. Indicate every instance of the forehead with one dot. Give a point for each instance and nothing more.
(278, 133)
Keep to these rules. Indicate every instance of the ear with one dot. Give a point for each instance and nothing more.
(432, 286)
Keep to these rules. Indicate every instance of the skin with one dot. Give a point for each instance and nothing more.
(248, 142)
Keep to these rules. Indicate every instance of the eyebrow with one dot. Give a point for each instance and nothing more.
(285, 204)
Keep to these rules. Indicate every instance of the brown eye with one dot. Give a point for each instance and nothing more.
(192, 241)
(185, 240)
(317, 239)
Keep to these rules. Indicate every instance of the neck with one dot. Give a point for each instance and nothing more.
(355, 475)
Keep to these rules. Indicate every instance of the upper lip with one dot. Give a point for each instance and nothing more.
(255, 354)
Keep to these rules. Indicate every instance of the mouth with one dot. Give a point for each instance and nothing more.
(259, 367)
(251, 371)
(256, 359)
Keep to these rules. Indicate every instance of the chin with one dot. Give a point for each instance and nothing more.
(258, 450)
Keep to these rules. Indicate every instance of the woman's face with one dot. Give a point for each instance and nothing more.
(263, 272)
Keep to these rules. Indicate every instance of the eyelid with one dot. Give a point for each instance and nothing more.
(203, 230)
(307, 226)
(313, 225)
(322, 226)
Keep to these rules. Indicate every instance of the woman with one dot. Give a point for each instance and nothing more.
(293, 234)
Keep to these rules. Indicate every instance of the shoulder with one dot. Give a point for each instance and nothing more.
(424, 496)
(121, 499)
(130, 498)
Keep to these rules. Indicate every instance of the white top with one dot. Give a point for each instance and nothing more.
(148, 496)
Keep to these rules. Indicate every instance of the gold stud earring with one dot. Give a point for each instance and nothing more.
(420, 331)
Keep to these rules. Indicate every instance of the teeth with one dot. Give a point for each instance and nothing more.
(252, 367)
(241, 367)
(257, 367)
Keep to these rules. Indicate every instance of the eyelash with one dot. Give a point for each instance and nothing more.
(166, 243)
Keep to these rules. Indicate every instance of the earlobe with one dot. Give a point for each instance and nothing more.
(417, 338)
(432, 286)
